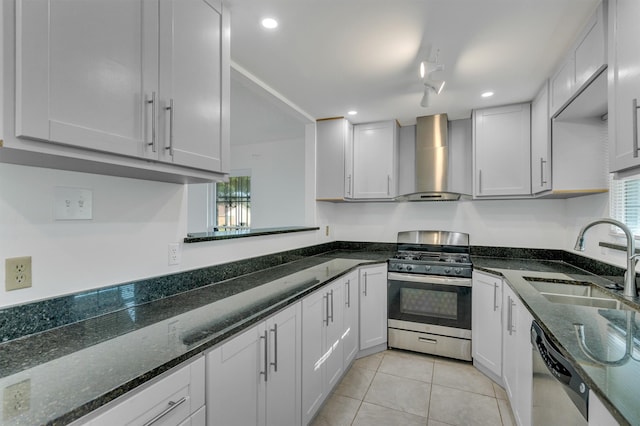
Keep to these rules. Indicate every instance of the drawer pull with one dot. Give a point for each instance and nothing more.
(171, 406)
(425, 340)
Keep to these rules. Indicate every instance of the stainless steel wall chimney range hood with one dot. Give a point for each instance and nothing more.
(438, 175)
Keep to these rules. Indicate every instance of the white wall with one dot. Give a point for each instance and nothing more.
(517, 223)
(277, 181)
(133, 222)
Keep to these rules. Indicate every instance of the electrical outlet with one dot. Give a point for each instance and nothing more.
(326, 230)
(17, 273)
(16, 399)
(175, 254)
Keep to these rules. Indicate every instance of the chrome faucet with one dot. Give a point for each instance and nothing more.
(630, 275)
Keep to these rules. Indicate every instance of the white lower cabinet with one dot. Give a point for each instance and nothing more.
(322, 348)
(486, 332)
(174, 399)
(373, 306)
(254, 379)
(517, 368)
(351, 332)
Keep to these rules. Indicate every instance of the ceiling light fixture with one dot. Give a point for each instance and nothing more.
(269, 23)
(427, 68)
(487, 94)
(352, 112)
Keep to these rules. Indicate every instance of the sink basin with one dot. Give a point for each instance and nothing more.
(570, 292)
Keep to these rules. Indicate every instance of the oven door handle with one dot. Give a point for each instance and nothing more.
(430, 279)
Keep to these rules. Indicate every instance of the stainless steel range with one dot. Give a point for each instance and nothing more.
(429, 294)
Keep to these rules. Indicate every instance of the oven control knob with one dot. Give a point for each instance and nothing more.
(447, 270)
(399, 266)
(409, 267)
(427, 267)
(458, 270)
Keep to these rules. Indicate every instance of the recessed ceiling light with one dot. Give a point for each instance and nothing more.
(487, 94)
(269, 23)
(352, 112)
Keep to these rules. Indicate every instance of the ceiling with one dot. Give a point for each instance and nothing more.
(330, 56)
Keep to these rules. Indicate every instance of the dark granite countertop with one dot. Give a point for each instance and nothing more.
(75, 369)
(608, 367)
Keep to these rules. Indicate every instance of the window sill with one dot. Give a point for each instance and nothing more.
(227, 235)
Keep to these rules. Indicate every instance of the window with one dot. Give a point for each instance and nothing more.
(233, 204)
(624, 202)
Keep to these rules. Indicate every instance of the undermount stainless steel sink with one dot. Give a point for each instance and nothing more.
(575, 293)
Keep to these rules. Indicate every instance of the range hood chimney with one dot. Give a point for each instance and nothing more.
(433, 162)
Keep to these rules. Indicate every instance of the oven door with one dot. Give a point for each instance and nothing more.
(429, 299)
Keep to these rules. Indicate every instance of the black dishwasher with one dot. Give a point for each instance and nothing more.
(560, 396)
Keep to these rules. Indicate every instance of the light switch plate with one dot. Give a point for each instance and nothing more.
(73, 203)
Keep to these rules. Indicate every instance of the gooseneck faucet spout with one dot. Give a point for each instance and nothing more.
(630, 275)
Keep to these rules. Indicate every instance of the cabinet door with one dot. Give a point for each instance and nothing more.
(562, 84)
(283, 384)
(509, 330)
(517, 367)
(375, 160)
(373, 306)
(540, 142)
(334, 362)
(502, 146)
(523, 398)
(236, 380)
(314, 318)
(332, 182)
(590, 54)
(193, 84)
(486, 331)
(85, 73)
(350, 335)
(624, 84)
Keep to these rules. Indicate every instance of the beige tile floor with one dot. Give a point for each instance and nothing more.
(405, 389)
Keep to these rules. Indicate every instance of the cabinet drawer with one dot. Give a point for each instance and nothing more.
(168, 401)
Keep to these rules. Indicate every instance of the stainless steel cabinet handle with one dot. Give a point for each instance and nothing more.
(266, 366)
(479, 181)
(152, 144)
(326, 309)
(495, 297)
(171, 112)
(349, 185)
(542, 163)
(331, 293)
(348, 290)
(634, 115)
(365, 284)
(274, 330)
(171, 406)
(388, 185)
(425, 340)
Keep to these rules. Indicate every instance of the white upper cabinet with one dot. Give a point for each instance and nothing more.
(624, 84)
(191, 85)
(334, 176)
(142, 79)
(375, 160)
(585, 59)
(540, 142)
(81, 82)
(502, 151)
